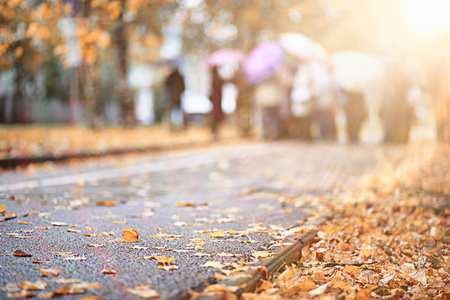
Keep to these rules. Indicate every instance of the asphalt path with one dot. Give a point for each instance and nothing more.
(240, 189)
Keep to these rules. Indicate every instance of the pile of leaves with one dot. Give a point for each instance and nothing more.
(388, 239)
(35, 141)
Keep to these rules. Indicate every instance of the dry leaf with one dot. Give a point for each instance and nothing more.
(21, 294)
(34, 286)
(42, 227)
(104, 271)
(130, 235)
(25, 223)
(165, 260)
(49, 272)
(74, 230)
(218, 234)
(69, 290)
(198, 254)
(213, 264)
(229, 255)
(2, 208)
(106, 203)
(262, 254)
(144, 292)
(91, 298)
(168, 268)
(58, 224)
(20, 253)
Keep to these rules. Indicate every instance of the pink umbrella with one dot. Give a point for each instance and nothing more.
(223, 57)
(263, 62)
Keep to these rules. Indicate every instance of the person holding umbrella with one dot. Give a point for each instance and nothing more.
(217, 114)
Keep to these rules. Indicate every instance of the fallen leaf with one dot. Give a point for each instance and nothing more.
(198, 254)
(139, 247)
(143, 291)
(2, 208)
(104, 271)
(34, 286)
(96, 245)
(306, 284)
(168, 268)
(58, 224)
(69, 290)
(49, 272)
(42, 227)
(213, 264)
(218, 234)
(91, 298)
(262, 254)
(165, 260)
(229, 255)
(75, 258)
(106, 203)
(25, 223)
(20, 253)
(130, 235)
(74, 230)
(21, 294)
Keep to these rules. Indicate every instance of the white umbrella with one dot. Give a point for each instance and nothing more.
(357, 71)
(302, 46)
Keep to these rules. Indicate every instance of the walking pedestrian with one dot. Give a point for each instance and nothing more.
(175, 88)
(268, 96)
(355, 110)
(217, 114)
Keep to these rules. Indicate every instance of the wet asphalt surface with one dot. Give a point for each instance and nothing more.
(241, 185)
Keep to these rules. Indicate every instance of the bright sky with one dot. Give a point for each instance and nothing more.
(429, 17)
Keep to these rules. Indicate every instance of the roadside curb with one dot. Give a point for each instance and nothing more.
(250, 280)
(10, 163)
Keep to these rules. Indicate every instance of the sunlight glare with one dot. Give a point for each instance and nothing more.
(429, 17)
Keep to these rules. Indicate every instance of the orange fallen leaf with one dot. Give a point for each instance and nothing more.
(306, 284)
(2, 208)
(49, 272)
(21, 294)
(69, 290)
(25, 223)
(42, 227)
(74, 230)
(33, 286)
(144, 291)
(106, 203)
(130, 235)
(168, 268)
(91, 298)
(165, 260)
(104, 271)
(20, 253)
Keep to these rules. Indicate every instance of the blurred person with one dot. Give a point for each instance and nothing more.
(269, 97)
(301, 105)
(175, 87)
(355, 110)
(243, 104)
(323, 99)
(217, 115)
(396, 112)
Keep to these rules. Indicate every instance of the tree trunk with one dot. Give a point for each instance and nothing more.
(124, 94)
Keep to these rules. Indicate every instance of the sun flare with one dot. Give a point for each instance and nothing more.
(429, 17)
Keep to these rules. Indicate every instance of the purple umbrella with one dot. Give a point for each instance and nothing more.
(224, 56)
(263, 62)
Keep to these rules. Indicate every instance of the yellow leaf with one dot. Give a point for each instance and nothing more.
(25, 223)
(130, 235)
(104, 271)
(218, 234)
(2, 208)
(106, 203)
